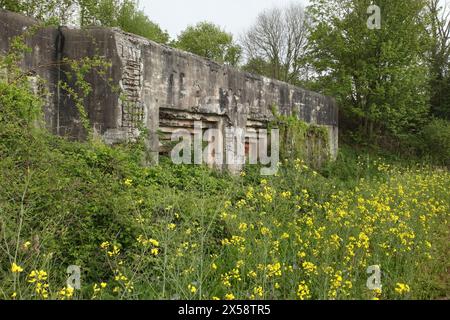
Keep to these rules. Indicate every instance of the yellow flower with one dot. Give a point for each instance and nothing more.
(213, 266)
(115, 251)
(37, 275)
(26, 245)
(241, 203)
(192, 289)
(286, 195)
(402, 288)
(252, 274)
(265, 231)
(274, 270)
(103, 285)
(66, 293)
(171, 226)
(285, 236)
(215, 298)
(243, 227)
(303, 291)
(230, 296)
(154, 242)
(258, 291)
(16, 268)
(154, 251)
(335, 240)
(128, 182)
(14, 295)
(105, 245)
(309, 267)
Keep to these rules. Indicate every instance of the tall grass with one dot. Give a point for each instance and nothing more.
(185, 232)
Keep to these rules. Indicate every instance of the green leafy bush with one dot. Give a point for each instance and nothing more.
(435, 141)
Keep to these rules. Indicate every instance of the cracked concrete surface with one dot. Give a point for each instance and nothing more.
(165, 89)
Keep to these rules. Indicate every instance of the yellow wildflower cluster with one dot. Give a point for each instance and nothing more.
(97, 289)
(16, 268)
(66, 293)
(228, 277)
(123, 282)
(402, 288)
(192, 289)
(39, 279)
(303, 292)
(274, 270)
(333, 241)
(152, 243)
(258, 293)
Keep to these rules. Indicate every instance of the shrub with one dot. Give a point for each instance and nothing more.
(435, 140)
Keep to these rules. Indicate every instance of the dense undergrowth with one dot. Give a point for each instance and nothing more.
(188, 232)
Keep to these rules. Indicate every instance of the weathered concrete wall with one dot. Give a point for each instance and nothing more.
(40, 62)
(166, 89)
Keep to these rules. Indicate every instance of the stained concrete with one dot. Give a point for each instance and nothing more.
(166, 89)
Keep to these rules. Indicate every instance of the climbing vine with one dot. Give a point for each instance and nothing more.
(76, 85)
(300, 140)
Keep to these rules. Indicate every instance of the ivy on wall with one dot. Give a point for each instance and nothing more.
(300, 140)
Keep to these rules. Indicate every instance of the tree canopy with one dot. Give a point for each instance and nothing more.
(276, 43)
(379, 77)
(125, 14)
(210, 41)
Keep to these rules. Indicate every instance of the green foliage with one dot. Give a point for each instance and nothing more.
(49, 11)
(259, 66)
(188, 232)
(439, 59)
(299, 140)
(124, 14)
(379, 77)
(78, 88)
(435, 141)
(440, 101)
(162, 232)
(209, 41)
(135, 21)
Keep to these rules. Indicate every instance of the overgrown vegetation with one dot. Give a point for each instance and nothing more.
(188, 232)
(124, 14)
(210, 41)
(174, 232)
(299, 140)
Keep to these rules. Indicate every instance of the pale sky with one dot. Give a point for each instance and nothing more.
(234, 16)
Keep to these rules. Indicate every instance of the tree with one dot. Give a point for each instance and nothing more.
(124, 14)
(210, 41)
(133, 20)
(379, 77)
(439, 58)
(278, 39)
(49, 11)
(258, 66)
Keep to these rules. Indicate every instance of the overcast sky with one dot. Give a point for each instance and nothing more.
(233, 15)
